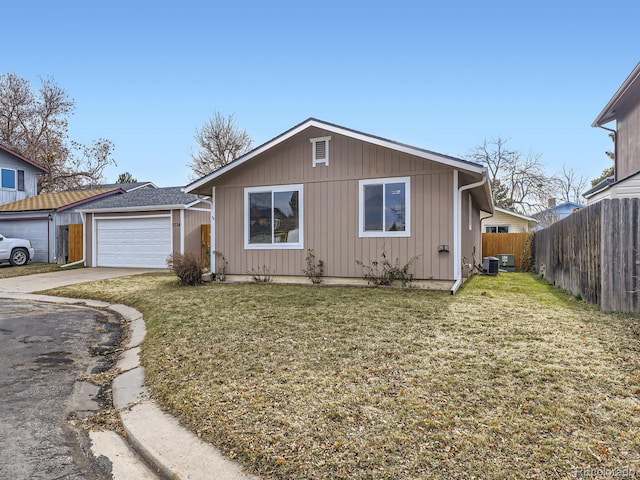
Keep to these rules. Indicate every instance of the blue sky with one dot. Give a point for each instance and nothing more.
(437, 75)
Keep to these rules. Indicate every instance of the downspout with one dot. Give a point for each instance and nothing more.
(84, 245)
(457, 234)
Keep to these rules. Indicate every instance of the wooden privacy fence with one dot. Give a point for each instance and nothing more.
(69, 243)
(595, 253)
(494, 244)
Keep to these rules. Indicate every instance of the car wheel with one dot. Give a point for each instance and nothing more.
(19, 257)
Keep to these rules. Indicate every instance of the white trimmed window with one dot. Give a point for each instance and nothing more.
(496, 229)
(470, 212)
(385, 207)
(273, 217)
(320, 150)
(8, 179)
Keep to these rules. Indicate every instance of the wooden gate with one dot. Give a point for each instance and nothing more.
(76, 232)
(205, 244)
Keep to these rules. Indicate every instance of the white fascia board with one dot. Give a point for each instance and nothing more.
(450, 161)
(133, 209)
(608, 113)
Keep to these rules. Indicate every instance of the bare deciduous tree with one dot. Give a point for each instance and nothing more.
(35, 124)
(518, 181)
(220, 141)
(570, 185)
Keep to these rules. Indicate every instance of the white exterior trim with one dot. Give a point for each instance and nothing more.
(414, 151)
(181, 230)
(151, 208)
(315, 161)
(15, 179)
(273, 189)
(457, 235)
(407, 213)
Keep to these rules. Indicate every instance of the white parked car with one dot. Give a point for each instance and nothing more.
(16, 251)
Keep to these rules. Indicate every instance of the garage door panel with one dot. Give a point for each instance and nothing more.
(133, 242)
(34, 230)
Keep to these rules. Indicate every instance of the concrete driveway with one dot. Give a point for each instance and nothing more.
(44, 281)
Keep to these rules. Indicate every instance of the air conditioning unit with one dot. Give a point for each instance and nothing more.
(507, 261)
(490, 265)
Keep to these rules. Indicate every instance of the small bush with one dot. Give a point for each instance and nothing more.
(384, 272)
(187, 267)
(261, 275)
(314, 270)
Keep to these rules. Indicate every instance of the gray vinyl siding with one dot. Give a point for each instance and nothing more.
(331, 196)
(30, 179)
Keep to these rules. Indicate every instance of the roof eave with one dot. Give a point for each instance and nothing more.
(609, 112)
(25, 159)
(147, 208)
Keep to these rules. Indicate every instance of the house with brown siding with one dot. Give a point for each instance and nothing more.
(624, 109)
(348, 196)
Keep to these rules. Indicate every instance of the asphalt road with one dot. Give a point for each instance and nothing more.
(43, 349)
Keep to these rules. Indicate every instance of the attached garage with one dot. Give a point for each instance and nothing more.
(142, 228)
(136, 241)
(35, 229)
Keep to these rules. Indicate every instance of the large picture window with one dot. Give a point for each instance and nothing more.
(385, 207)
(273, 217)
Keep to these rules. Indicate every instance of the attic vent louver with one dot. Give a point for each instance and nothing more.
(320, 150)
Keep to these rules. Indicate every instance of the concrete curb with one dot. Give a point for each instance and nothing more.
(156, 436)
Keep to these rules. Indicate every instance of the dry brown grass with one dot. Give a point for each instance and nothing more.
(7, 271)
(511, 378)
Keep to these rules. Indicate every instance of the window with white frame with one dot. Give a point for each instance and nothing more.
(273, 217)
(8, 178)
(320, 150)
(384, 207)
(470, 212)
(496, 229)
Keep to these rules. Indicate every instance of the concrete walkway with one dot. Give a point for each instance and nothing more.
(171, 450)
(45, 281)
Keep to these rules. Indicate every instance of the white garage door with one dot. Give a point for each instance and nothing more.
(133, 242)
(34, 230)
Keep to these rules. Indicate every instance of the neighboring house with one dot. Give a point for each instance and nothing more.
(506, 221)
(348, 196)
(143, 227)
(18, 176)
(555, 213)
(38, 218)
(624, 109)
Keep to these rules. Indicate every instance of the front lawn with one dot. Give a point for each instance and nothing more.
(7, 271)
(511, 378)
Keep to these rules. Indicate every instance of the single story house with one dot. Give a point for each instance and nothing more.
(142, 228)
(506, 221)
(38, 218)
(348, 196)
(18, 176)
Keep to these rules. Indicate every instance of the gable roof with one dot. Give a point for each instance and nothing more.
(58, 201)
(515, 214)
(313, 122)
(628, 92)
(145, 199)
(24, 159)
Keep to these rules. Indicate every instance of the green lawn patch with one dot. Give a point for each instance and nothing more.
(511, 378)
